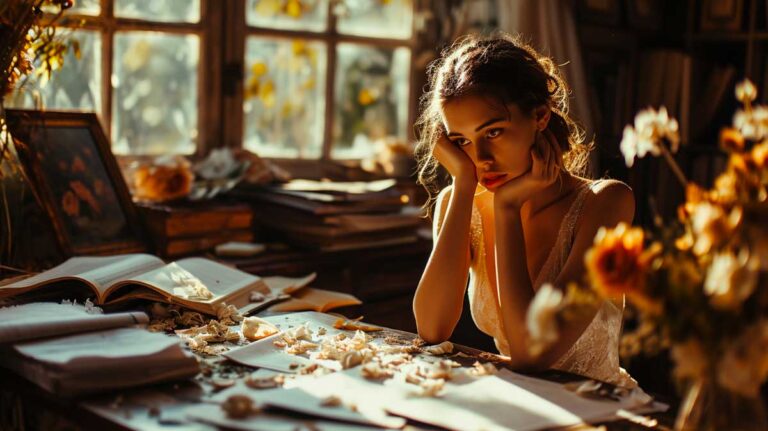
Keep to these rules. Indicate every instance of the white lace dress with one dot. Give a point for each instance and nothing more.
(595, 354)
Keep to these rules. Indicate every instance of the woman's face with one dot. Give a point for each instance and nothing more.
(497, 140)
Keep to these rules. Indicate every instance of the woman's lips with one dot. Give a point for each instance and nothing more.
(492, 180)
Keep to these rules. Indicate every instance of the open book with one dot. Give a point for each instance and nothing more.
(195, 283)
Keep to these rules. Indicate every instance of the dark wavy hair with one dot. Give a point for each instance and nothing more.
(506, 69)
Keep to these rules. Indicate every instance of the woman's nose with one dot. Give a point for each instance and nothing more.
(484, 155)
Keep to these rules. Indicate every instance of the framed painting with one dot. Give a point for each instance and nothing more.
(70, 165)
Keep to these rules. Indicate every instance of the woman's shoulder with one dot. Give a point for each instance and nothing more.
(609, 196)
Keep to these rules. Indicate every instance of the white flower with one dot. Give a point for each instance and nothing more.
(752, 124)
(629, 145)
(731, 279)
(651, 127)
(746, 91)
(541, 320)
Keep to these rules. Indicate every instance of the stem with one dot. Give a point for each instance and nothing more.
(673, 165)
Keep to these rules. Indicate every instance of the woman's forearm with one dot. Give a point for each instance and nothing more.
(513, 281)
(439, 297)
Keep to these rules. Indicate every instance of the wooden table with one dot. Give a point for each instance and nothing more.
(25, 406)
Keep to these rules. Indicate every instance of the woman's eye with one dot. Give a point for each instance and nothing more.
(461, 142)
(493, 133)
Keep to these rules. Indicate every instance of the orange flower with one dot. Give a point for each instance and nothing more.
(78, 165)
(760, 155)
(617, 265)
(731, 139)
(70, 204)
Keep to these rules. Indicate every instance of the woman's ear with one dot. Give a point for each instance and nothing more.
(541, 115)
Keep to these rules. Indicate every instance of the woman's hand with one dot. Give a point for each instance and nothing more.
(546, 158)
(456, 161)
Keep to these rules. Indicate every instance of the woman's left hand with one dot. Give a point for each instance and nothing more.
(546, 158)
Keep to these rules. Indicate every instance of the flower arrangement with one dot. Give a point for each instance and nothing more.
(29, 46)
(699, 285)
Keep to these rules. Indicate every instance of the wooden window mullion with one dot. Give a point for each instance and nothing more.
(107, 51)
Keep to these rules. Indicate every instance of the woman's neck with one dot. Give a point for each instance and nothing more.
(551, 195)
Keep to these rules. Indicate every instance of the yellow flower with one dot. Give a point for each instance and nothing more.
(760, 155)
(299, 47)
(618, 265)
(366, 97)
(259, 68)
(731, 139)
(267, 94)
(293, 8)
(731, 279)
(712, 225)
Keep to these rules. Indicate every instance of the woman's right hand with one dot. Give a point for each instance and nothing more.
(455, 160)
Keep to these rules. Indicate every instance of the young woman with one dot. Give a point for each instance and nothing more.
(517, 214)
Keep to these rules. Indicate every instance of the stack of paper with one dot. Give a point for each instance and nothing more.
(100, 361)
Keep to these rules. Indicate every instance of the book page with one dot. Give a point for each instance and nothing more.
(316, 299)
(45, 319)
(198, 280)
(101, 271)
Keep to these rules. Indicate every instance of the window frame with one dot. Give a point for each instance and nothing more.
(223, 32)
(206, 29)
(235, 61)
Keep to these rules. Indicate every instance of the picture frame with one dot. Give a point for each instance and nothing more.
(644, 14)
(70, 165)
(721, 15)
(604, 12)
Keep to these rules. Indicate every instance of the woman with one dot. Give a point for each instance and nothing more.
(517, 214)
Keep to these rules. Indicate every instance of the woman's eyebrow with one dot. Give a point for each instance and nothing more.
(480, 127)
(488, 123)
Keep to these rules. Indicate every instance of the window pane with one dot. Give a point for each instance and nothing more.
(284, 105)
(81, 7)
(371, 100)
(310, 15)
(159, 11)
(376, 18)
(77, 85)
(154, 82)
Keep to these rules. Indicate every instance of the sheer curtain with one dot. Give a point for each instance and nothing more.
(551, 28)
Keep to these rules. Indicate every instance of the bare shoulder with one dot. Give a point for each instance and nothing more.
(612, 201)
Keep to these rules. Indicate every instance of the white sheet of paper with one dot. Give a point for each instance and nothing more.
(87, 350)
(44, 319)
(264, 354)
(267, 421)
(302, 400)
(500, 402)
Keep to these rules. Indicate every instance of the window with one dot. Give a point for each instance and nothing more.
(139, 69)
(325, 79)
(290, 79)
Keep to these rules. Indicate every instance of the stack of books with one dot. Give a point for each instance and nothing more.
(194, 227)
(332, 216)
(72, 350)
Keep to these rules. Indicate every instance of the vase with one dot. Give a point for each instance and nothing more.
(708, 406)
